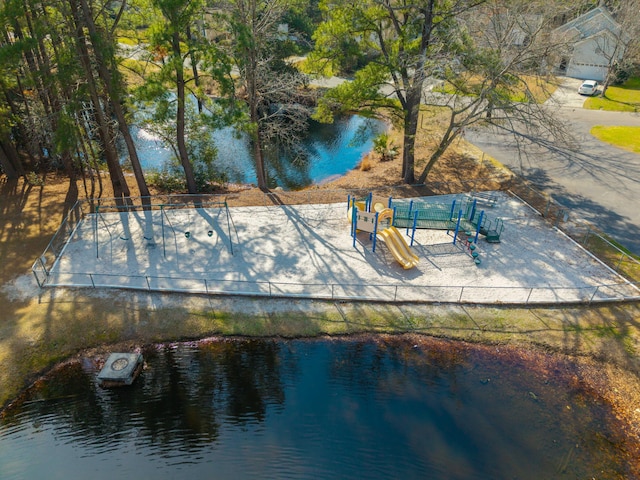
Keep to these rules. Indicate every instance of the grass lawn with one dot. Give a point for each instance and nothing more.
(622, 98)
(627, 138)
(609, 251)
(539, 89)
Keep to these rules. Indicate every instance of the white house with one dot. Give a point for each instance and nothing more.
(593, 41)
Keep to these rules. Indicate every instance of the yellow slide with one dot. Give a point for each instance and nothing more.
(385, 214)
(398, 247)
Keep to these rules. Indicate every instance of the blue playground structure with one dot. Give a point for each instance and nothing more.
(461, 215)
(380, 223)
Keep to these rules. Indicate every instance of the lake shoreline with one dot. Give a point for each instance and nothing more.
(604, 380)
(97, 322)
(58, 325)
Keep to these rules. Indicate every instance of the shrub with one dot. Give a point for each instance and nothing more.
(167, 180)
(365, 163)
(384, 147)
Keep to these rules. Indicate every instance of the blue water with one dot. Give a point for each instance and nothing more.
(320, 409)
(333, 150)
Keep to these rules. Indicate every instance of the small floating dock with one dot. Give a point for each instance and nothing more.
(120, 369)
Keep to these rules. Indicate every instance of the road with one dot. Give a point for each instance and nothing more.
(598, 182)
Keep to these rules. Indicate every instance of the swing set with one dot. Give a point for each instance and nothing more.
(100, 222)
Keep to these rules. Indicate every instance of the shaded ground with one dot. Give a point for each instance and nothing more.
(594, 180)
(35, 333)
(307, 250)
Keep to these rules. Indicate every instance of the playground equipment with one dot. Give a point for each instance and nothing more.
(490, 198)
(466, 239)
(437, 216)
(384, 214)
(492, 230)
(461, 217)
(398, 247)
(442, 216)
(191, 232)
(139, 220)
(362, 219)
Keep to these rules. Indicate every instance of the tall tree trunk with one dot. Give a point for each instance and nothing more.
(258, 155)
(251, 73)
(120, 187)
(114, 96)
(411, 117)
(48, 92)
(9, 159)
(56, 92)
(413, 83)
(17, 141)
(180, 116)
(447, 139)
(194, 68)
(40, 87)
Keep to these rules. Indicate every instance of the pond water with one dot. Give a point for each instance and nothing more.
(329, 150)
(348, 408)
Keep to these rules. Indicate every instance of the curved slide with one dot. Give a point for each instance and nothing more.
(398, 247)
(385, 214)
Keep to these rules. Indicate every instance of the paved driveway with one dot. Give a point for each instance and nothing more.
(566, 95)
(598, 182)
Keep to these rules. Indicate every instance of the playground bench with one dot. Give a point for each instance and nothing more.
(490, 198)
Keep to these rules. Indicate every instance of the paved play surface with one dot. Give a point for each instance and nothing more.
(307, 251)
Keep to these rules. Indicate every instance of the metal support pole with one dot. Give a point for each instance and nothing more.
(375, 232)
(594, 294)
(480, 218)
(95, 232)
(455, 234)
(415, 223)
(164, 248)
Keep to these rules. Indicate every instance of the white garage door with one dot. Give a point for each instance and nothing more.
(586, 72)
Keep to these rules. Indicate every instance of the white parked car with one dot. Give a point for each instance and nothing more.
(588, 87)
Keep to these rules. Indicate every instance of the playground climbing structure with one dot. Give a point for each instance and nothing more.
(380, 223)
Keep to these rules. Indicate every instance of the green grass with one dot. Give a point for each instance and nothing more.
(539, 89)
(627, 138)
(622, 98)
(128, 41)
(615, 255)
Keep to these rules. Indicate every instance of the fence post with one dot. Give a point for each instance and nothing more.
(586, 236)
(529, 296)
(461, 292)
(206, 286)
(44, 267)
(622, 255)
(594, 294)
(146, 277)
(37, 279)
(95, 232)
(395, 294)
(93, 284)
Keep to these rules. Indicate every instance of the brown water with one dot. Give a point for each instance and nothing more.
(349, 408)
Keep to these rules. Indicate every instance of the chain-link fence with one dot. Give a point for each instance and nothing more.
(360, 292)
(586, 235)
(592, 240)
